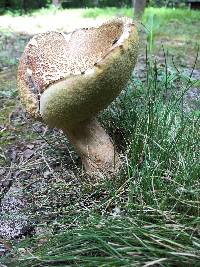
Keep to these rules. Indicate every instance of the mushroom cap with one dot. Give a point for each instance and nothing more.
(64, 79)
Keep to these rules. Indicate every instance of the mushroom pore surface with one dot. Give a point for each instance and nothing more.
(64, 79)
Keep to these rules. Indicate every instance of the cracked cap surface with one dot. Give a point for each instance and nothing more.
(70, 77)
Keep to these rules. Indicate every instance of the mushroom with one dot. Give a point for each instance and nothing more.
(64, 80)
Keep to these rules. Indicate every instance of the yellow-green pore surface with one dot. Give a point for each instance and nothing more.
(65, 79)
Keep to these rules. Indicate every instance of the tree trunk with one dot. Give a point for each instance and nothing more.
(22, 7)
(56, 3)
(39, 3)
(139, 6)
(96, 3)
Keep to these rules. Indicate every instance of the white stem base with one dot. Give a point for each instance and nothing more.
(95, 148)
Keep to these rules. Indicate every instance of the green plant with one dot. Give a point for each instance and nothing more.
(150, 214)
(152, 25)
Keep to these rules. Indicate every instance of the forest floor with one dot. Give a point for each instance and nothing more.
(37, 179)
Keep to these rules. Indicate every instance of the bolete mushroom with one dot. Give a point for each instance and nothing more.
(64, 80)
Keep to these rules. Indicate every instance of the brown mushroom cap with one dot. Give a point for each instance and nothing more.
(64, 79)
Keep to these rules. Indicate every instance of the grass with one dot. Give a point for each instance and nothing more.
(184, 22)
(164, 14)
(11, 47)
(117, 242)
(150, 214)
(164, 19)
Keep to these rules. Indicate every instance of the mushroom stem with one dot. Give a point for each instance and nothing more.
(95, 147)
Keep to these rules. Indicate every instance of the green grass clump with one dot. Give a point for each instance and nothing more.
(182, 20)
(167, 14)
(148, 215)
(117, 242)
(11, 47)
(106, 12)
(164, 14)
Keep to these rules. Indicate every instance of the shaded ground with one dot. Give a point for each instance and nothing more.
(34, 173)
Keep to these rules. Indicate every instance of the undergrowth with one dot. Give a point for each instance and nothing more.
(175, 28)
(164, 14)
(149, 215)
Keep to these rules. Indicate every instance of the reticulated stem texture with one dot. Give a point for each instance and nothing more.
(95, 148)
